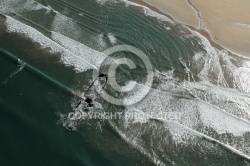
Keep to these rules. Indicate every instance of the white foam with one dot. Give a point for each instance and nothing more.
(66, 26)
(138, 93)
(216, 66)
(165, 75)
(135, 119)
(227, 99)
(67, 123)
(92, 56)
(242, 78)
(182, 135)
(149, 12)
(203, 108)
(112, 38)
(204, 41)
(134, 140)
(14, 6)
(67, 57)
(102, 2)
(21, 66)
(221, 122)
(245, 26)
(160, 134)
(101, 43)
(168, 28)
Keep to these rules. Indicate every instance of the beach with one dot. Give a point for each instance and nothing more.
(227, 22)
(196, 111)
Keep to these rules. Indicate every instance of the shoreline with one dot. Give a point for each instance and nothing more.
(203, 32)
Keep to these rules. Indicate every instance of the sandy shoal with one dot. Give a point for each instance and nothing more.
(227, 21)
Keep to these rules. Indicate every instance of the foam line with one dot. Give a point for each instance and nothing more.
(21, 66)
(194, 133)
(149, 12)
(154, 158)
(91, 56)
(214, 140)
(40, 73)
(67, 57)
(157, 92)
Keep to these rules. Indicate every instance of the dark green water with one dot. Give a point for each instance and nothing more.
(30, 133)
(38, 87)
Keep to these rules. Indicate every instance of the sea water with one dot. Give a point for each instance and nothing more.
(49, 50)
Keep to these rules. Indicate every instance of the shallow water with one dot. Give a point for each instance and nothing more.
(48, 52)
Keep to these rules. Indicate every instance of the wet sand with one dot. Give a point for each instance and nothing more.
(227, 21)
(179, 10)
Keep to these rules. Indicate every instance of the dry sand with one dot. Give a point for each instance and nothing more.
(227, 21)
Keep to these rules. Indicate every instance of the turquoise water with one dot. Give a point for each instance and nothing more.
(44, 72)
